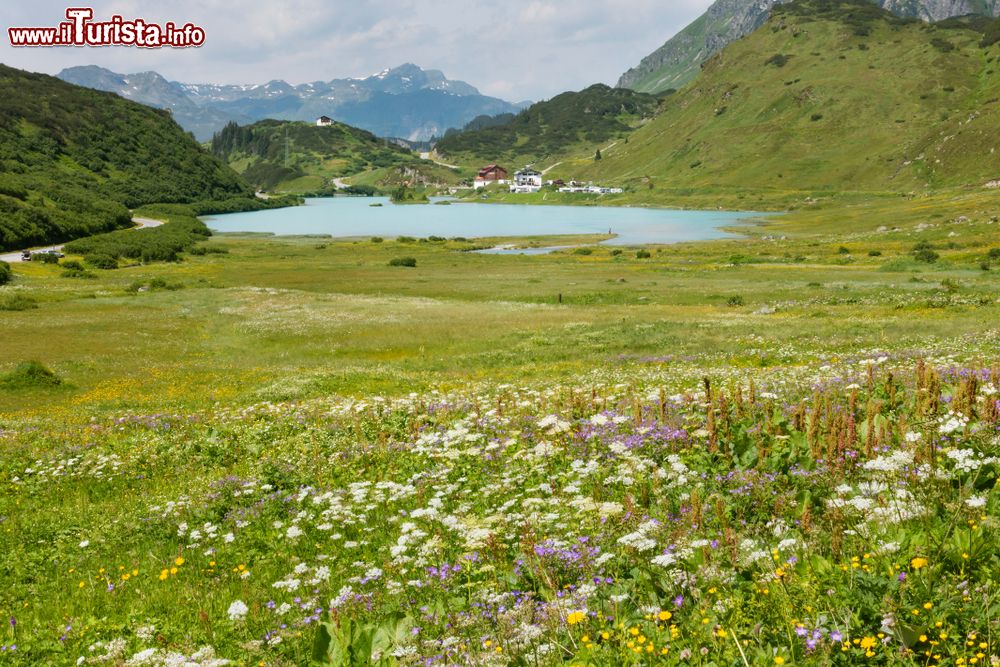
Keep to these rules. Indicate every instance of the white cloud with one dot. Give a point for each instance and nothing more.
(528, 50)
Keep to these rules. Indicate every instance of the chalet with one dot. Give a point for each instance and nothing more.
(527, 180)
(490, 174)
(324, 120)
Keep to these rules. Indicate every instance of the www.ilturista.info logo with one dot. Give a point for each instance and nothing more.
(80, 30)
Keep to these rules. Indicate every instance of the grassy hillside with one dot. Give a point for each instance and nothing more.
(574, 120)
(828, 95)
(74, 160)
(315, 155)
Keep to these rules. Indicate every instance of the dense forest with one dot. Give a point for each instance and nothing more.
(592, 116)
(73, 161)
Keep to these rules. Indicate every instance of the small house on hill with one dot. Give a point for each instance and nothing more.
(324, 120)
(492, 173)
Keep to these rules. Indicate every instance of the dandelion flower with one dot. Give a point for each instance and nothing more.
(918, 563)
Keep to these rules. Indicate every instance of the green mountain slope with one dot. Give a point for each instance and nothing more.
(566, 122)
(73, 160)
(297, 156)
(828, 94)
(678, 60)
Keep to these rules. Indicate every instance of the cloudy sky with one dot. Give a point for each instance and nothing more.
(514, 49)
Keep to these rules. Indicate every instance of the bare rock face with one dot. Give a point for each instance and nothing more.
(677, 61)
(937, 10)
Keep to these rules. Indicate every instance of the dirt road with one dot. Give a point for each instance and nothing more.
(13, 257)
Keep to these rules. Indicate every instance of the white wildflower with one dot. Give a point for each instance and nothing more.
(237, 610)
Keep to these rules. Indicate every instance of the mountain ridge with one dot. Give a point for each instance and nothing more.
(433, 102)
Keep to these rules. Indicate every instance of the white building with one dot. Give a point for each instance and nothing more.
(527, 180)
(589, 188)
(324, 120)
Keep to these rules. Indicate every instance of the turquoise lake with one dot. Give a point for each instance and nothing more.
(356, 217)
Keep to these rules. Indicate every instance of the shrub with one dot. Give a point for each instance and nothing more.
(160, 283)
(5, 273)
(926, 255)
(403, 261)
(29, 374)
(211, 250)
(583, 251)
(778, 60)
(17, 302)
(874, 253)
(735, 301)
(616, 252)
(77, 273)
(942, 45)
(100, 261)
(72, 265)
(843, 250)
(405, 239)
(994, 253)
(376, 239)
(816, 116)
(360, 190)
(45, 258)
(642, 254)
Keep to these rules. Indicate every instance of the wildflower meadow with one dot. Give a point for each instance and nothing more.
(834, 513)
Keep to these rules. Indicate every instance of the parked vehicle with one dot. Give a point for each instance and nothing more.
(25, 255)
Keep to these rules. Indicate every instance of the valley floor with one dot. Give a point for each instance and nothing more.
(772, 450)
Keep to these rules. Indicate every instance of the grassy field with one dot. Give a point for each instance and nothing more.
(332, 315)
(776, 449)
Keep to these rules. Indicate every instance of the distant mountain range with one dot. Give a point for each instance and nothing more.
(679, 59)
(406, 101)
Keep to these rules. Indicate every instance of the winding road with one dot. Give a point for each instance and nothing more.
(13, 257)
